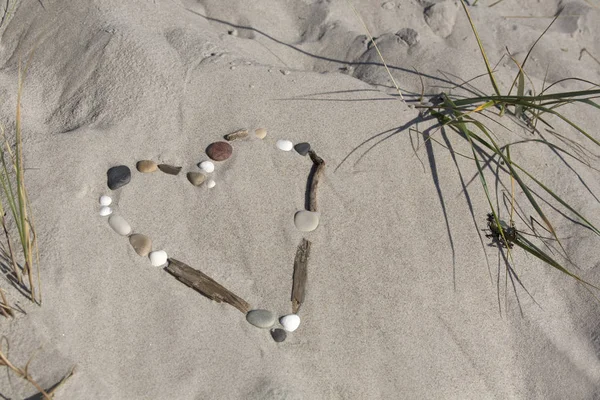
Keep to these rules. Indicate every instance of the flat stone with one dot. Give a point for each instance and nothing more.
(158, 258)
(219, 151)
(196, 178)
(105, 211)
(278, 335)
(207, 166)
(146, 166)
(119, 225)
(261, 133)
(290, 322)
(142, 244)
(105, 200)
(284, 145)
(169, 169)
(261, 318)
(118, 176)
(306, 221)
(302, 148)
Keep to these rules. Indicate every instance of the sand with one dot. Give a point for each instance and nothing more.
(401, 302)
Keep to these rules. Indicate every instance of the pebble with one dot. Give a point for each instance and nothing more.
(278, 335)
(306, 221)
(219, 151)
(261, 318)
(142, 244)
(146, 166)
(196, 178)
(119, 225)
(169, 169)
(105, 200)
(302, 148)
(388, 5)
(207, 166)
(105, 211)
(118, 176)
(158, 258)
(261, 133)
(290, 322)
(211, 183)
(284, 145)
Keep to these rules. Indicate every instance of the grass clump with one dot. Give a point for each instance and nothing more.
(470, 117)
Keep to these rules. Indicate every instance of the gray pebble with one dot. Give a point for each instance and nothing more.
(118, 176)
(261, 318)
(278, 335)
(302, 148)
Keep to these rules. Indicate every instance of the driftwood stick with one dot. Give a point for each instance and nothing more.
(300, 274)
(319, 167)
(205, 285)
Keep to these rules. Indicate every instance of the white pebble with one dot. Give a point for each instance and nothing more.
(290, 322)
(105, 200)
(105, 211)
(158, 258)
(119, 225)
(207, 166)
(211, 184)
(284, 145)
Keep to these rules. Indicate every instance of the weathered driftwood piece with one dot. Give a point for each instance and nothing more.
(300, 274)
(169, 169)
(205, 285)
(239, 134)
(319, 166)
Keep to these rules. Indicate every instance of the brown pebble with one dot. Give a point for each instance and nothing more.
(219, 151)
(196, 178)
(261, 133)
(142, 244)
(239, 134)
(169, 169)
(146, 166)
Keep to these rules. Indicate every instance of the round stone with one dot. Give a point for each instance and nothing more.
(105, 200)
(196, 178)
(142, 244)
(290, 322)
(211, 183)
(261, 318)
(105, 211)
(118, 176)
(119, 225)
(278, 335)
(158, 258)
(306, 221)
(261, 133)
(302, 148)
(219, 151)
(207, 166)
(284, 145)
(146, 166)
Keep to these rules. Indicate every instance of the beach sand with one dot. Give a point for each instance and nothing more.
(405, 298)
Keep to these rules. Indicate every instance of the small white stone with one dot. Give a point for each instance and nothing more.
(306, 221)
(105, 211)
(290, 322)
(207, 166)
(119, 225)
(211, 183)
(284, 145)
(105, 200)
(158, 258)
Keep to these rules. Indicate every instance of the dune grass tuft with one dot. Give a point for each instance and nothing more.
(464, 116)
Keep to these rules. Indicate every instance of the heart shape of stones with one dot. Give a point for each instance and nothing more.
(304, 220)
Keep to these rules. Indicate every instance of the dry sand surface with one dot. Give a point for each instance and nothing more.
(401, 302)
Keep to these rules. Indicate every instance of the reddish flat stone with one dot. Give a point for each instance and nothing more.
(219, 151)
